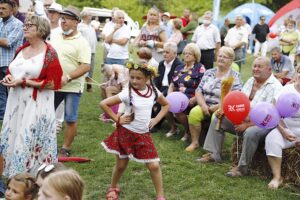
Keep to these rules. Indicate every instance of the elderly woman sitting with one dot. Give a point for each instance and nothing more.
(286, 135)
(209, 91)
(186, 78)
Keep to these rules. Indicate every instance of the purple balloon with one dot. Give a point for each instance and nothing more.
(264, 115)
(178, 102)
(288, 104)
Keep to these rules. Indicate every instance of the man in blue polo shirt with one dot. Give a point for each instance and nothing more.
(11, 37)
(282, 66)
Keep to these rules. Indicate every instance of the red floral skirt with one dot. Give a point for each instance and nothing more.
(128, 144)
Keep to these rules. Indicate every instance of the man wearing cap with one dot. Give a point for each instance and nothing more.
(207, 37)
(75, 56)
(167, 24)
(89, 33)
(54, 15)
(118, 40)
(11, 37)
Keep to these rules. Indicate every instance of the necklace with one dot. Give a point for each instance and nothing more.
(147, 95)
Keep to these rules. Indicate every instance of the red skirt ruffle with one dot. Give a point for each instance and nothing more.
(128, 144)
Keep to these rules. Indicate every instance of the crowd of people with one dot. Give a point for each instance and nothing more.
(48, 55)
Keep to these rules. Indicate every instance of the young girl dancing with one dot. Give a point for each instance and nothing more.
(131, 139)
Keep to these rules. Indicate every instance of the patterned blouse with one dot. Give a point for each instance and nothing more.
(188, 78)
(210, 85)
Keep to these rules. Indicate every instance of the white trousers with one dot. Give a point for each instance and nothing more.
(263, 47)
(275, 143)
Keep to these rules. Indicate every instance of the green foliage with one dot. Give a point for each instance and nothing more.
(136, 9)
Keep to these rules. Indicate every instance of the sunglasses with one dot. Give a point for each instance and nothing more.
(46, 168)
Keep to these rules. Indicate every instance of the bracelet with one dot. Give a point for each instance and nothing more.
(23, 85)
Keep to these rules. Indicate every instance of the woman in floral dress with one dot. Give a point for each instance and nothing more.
(28, 136)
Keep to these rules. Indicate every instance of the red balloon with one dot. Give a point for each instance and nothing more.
(236, 106)
(272, 35)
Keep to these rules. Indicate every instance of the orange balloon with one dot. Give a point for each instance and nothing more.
(236, 106)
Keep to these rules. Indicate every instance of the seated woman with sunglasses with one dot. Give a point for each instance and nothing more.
(28, 135)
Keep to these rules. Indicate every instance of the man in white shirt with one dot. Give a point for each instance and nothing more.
(89, 33)
(107, 29)
(118, 39)
(236, 38)
(207, 37)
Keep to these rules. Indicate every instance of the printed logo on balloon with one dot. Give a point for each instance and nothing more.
(236, 106)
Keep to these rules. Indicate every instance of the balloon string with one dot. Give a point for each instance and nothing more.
(237, 146)
(91, 83)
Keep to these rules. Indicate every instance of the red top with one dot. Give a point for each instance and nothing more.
(185, 21)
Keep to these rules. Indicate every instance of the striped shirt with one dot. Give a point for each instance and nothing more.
(12, 31)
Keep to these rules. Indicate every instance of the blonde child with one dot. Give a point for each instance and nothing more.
(66, 184)
(134, 125)
(21, 187)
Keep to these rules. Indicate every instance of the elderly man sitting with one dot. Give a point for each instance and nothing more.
(261, 87)
(166, 70)
(282, 66)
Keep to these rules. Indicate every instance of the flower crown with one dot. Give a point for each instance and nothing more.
(149, 68)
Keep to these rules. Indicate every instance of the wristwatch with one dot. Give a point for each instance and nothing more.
(69, 79)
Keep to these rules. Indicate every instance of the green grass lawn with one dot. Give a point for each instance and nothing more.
(183, 178)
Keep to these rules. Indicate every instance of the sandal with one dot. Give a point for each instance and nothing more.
(171, 133)
(185, 137)
(113, 193)
(161, 198)
(235, 172)
(64, 152)
(207, 158)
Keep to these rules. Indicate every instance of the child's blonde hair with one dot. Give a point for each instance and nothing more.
(66, 183)
(31, 188)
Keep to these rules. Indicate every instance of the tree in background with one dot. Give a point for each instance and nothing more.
(136, 9)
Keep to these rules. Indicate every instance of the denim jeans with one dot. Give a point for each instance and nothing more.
(71, 104)
(115, 61)
(3, 93)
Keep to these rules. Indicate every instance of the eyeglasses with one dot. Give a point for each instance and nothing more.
(46, 168)
(28, 25)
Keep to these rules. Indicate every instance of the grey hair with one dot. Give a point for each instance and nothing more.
(119, 12)
(277, 49)
(171, 45)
